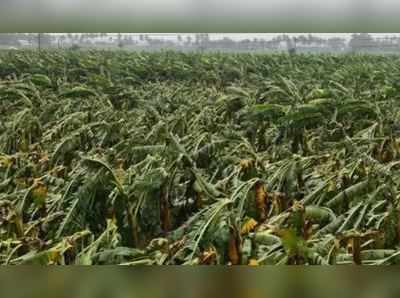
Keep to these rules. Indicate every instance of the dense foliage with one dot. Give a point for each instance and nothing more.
(172, 158)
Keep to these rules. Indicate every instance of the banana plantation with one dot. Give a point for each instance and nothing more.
(168, 158)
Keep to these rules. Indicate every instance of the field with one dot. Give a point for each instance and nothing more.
(187, 158)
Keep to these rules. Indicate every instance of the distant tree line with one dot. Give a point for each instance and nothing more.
(202, 41)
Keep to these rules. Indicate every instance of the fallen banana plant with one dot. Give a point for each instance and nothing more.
(165, 158)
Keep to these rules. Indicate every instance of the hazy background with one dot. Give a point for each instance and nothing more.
(379, 43)
(200, 15)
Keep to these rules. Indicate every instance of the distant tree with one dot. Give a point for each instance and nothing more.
(226, 43)
(128, 39)
(291, 45)
(255, 43)
(302, 40)
(31, 38)
(70, 37)
(61, 40)
(46, 39)
(120, 42)
(336, 43)
(362, 42)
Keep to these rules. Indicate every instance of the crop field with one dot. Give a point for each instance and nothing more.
(168, 158)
